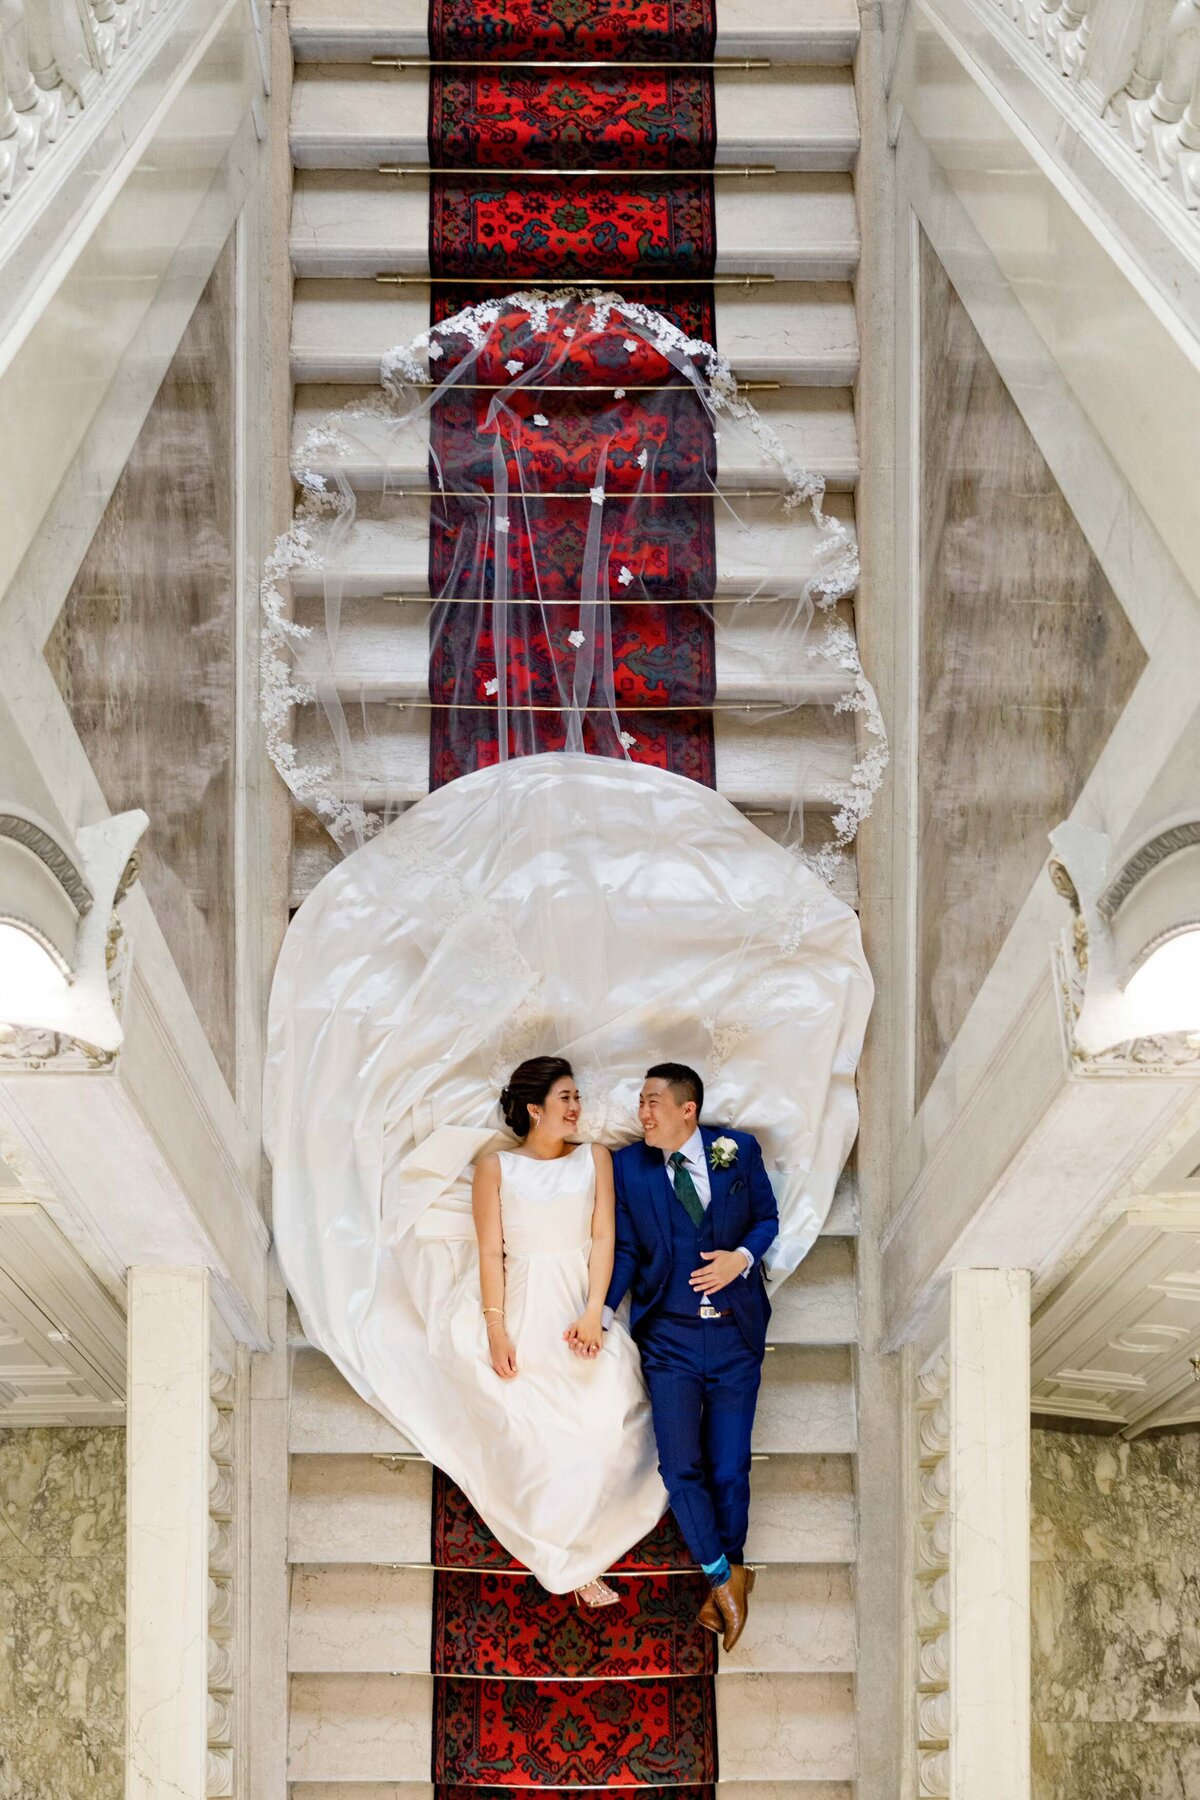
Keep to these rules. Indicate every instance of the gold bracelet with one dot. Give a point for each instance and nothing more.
(495, 1309)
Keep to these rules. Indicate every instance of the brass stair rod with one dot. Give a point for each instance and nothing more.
(600, 600)
(567, 706)
(594, 387)
(530, 284)
(407, 493)
(477, 173)
(490, 62)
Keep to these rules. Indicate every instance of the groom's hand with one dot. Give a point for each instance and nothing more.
(724, 1266)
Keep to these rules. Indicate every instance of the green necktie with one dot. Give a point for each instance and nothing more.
(685, 1190)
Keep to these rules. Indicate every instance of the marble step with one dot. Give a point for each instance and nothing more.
(349, 223)
(799, 1789)
(383, 652)
(386, 550)
(377, 1727)
(815, 1305)
(348, 1617)
(806, 1404)
(769, 760)
(314, 854)
(356, 117)
(366, 1508)
(815, 426)
(802, 336)
(804, 31)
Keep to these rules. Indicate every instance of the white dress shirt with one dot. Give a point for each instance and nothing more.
(696, 1164)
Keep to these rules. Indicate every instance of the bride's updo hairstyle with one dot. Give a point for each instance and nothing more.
(528, 1086)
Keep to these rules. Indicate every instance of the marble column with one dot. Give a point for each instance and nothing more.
(989, 1522)
(168, 1466)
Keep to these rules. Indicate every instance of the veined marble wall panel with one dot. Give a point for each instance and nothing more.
(1116, 1617)
(62, 1607)
(1026, 662)
(144, 653)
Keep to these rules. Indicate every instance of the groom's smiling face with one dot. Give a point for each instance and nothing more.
(666, 1122)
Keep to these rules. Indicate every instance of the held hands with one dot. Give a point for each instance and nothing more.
(501, 1351)
(723, 1267)
(586, 1335)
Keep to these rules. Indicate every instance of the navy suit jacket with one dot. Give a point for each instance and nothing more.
(743, 1213)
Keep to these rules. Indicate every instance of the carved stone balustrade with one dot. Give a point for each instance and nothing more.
(56, 57)
(1136, 65)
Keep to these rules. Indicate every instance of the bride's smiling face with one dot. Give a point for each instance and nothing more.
(560, 1110)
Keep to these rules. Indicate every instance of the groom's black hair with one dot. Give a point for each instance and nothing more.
(684, 1083)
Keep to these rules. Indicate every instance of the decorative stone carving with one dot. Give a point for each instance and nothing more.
(225, 1398)
(93, 1003)
(931, 1441)
(1084, 955)
(1158, 1056)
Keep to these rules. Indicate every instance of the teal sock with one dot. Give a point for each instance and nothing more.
(718, 1572)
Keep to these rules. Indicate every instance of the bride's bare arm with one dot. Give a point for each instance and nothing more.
(485, 1208)
(586, 1335)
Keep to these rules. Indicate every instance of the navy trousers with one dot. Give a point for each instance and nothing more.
(703, 1379)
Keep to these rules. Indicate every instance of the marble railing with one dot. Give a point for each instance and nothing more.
(55, 59)
(59, 58)
(1136, 65)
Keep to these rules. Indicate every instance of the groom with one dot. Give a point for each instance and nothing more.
(695, 1217)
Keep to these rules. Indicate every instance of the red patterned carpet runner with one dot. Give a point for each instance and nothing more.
(530, 1690)
(616, 1698)
(623, 230)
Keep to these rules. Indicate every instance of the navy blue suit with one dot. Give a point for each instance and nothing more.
(703, 1374)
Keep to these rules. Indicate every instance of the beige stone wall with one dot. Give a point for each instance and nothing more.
(62, 1614)
(1116, 1617)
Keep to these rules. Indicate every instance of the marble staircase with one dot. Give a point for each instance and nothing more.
(360, 1714)
(361, 1585)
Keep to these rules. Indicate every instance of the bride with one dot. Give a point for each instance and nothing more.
(573, 1414)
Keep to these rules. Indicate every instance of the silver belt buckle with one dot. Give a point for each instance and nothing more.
(708, 1310)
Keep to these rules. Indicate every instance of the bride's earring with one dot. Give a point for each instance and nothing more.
(535, 1120)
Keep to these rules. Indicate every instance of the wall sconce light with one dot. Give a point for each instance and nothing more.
(1131, 960)
(57, 904)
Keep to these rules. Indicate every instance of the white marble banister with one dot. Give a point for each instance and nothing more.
(1136, 65)
(48, 53)
(58, 57)
(970, 1555)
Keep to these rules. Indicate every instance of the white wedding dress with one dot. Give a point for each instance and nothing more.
(563, 1455)
(603, 911)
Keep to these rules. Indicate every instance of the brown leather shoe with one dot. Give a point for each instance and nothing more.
(733, 1598)
(710, 1615)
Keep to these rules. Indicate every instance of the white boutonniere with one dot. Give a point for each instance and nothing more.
(722, 1153)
